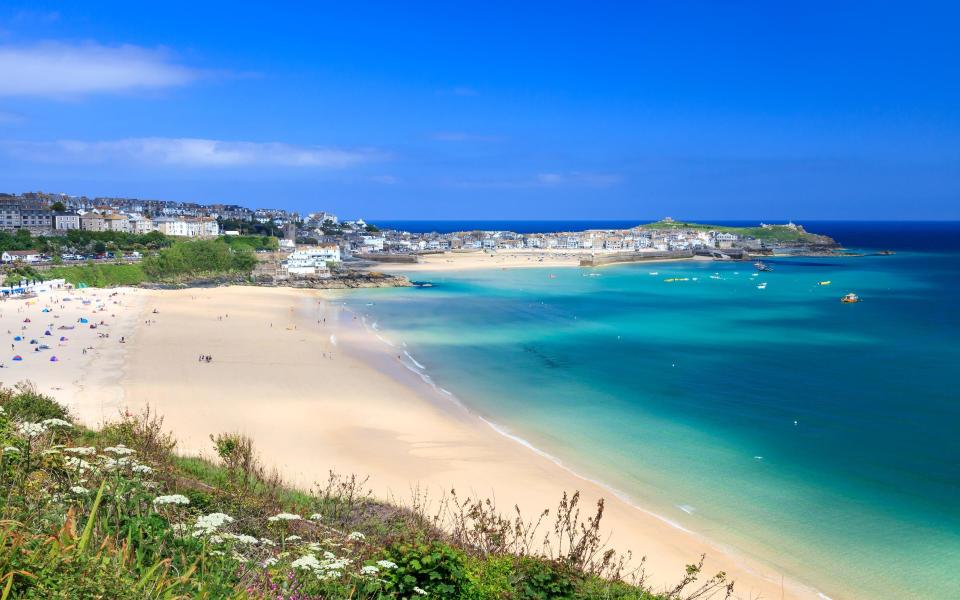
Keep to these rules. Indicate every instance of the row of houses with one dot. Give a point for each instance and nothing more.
(635, 239)
(40, 219)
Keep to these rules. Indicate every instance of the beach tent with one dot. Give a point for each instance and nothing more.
(18, 339)
(34, 342)
(47, 332)
(54, 359)
(63, 338)
(81, 285)
(45, 310)
(27, 320)
(18, 357)
(83, 320)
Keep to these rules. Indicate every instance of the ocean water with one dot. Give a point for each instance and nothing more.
(820, 437)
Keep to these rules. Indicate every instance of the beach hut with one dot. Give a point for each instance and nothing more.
(54, 359)
(18, 357)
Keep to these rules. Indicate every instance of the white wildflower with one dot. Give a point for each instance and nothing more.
(172, 499)
(369, 570)
(270, 562)
(284, 517)
(356, 536)
(207, 524)
(329, 555)
(179, 528)
(313, 547)
(316, 517)
(267, 542)
(11, 450)
(78, 463)
(48, 423)
(308, 562)
(142, 469)
(31, 429)
(2, 412)
(293, 538)
(420, 591)
(386, 564)
(216, 553)
(79, 490)
(119, 450)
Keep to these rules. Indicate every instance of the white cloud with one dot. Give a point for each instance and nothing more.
(187, 152)
(59, 70)
(548, 180)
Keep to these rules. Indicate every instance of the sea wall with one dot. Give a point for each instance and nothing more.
(596, 260)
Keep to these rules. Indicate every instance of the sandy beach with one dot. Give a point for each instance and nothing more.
(501, 259)
(317, 391)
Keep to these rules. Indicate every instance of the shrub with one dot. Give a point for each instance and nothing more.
(24, 403)
(543, 580)
(434, 567)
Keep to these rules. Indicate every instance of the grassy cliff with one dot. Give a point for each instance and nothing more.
(117, 514)
(774, 233)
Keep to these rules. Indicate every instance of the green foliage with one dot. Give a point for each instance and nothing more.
(100, 274)
(543, 580)
(84, 242)
(252, 243)
(20, 272)
(200, 257)
(435, 567)
(24, 403)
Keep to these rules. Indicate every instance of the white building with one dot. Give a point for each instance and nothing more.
(25, 256)
(312, 260)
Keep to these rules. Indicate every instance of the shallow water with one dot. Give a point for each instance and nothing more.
(820, 437)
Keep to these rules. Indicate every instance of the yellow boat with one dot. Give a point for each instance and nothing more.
(824, 283)
(850, 299)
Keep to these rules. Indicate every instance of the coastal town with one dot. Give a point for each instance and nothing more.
(312, 245)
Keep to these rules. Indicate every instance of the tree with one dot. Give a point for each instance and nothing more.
(58, 207)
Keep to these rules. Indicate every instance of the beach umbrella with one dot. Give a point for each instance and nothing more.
(18, 357)
(54, 359)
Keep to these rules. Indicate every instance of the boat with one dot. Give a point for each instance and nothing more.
(886, 252)
(850, 298)
(672, 279)
(761, 266)
(823, 283)
(762, 286)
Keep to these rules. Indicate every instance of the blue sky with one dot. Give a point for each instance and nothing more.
(491, 110)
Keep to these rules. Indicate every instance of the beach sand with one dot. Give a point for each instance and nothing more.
(317, 391)
(502, 259)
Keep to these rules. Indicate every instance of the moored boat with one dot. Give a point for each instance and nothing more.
(850, 298)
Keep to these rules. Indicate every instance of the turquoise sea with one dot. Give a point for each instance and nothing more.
(820, 437)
